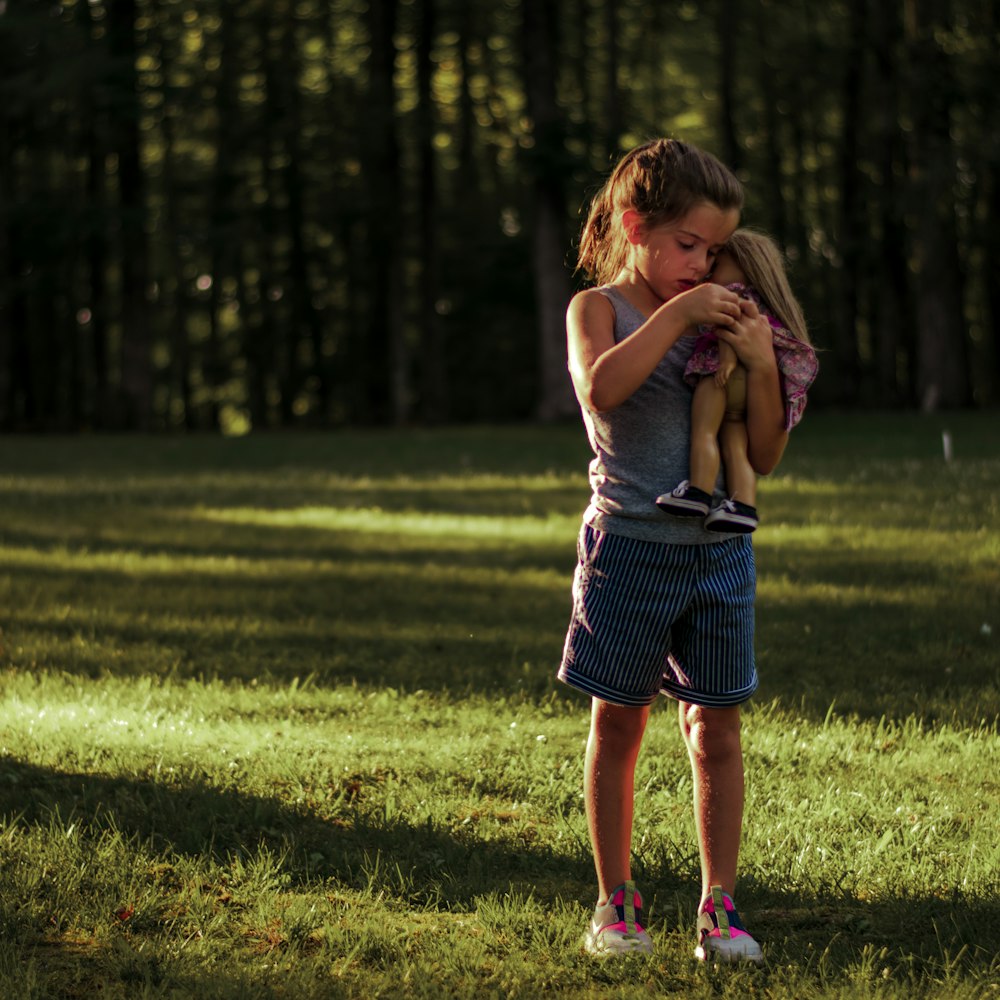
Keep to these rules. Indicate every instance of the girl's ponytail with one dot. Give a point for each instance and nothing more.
(662, 180)
(598, 238)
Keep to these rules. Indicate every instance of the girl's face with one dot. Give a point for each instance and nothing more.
(675, 257)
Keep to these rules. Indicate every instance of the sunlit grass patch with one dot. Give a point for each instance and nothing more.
(304, 822)
(917, 543)
(401, 524)
(882, 822)
(278, 718)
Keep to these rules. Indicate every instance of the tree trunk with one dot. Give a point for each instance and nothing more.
(727, 26)
(174, 284)
(96, 264)
(847, 371)
(386, 363)
(546, 166)
(989, 232)
(613, 112)
(307, 321)
(942, 353)
(224, 208)
(136, 359)
(8, 277)
(767, 73)
(433, 377)
(893, 315)
(992, 282)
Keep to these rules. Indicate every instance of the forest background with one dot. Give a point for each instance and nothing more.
(277, 213)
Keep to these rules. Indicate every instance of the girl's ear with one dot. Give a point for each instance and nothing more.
(632, 225)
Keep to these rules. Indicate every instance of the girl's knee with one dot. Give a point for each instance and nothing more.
(711, 733)
(617, 725)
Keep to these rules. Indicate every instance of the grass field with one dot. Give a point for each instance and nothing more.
(279, 719)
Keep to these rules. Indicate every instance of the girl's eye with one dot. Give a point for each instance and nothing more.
(686, 246)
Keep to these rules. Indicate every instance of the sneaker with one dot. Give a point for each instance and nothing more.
(685, 500)
(616, 928)
(733, 516)
(721, 933)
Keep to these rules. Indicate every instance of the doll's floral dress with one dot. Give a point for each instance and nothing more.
(797, 363)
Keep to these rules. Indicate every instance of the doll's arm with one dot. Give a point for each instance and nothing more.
(727, 362)
(753, 340)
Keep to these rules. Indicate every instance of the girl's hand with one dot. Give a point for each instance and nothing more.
(750, 337)
(707, 305)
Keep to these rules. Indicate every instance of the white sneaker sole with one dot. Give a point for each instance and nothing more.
(741, 949)
(736, 523)
(681, 508)
(603, 945)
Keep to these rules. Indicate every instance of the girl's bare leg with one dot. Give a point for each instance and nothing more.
(608, 780)
(712, 736)
(707, 409)
(741, 480)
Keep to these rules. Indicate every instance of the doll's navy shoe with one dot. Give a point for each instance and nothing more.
(685, 500)
(733, 516)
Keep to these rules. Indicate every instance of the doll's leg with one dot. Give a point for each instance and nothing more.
(738, 511)
(707, 409)
(741, 480)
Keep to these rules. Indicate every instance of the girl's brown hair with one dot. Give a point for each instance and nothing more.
(662, 180)
(763, 263)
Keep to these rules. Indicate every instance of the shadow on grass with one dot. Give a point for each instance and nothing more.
(488, 621)
(282, 545)
(107, 579)
(427, 867)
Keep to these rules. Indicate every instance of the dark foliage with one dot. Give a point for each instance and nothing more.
(266, 214)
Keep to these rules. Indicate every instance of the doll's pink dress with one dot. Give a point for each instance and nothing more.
(797, 363)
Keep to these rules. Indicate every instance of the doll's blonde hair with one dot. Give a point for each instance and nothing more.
(763, 263)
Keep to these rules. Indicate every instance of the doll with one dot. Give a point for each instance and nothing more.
(751, 265)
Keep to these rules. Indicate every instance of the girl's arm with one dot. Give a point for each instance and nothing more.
(604, 373)
(751, 338)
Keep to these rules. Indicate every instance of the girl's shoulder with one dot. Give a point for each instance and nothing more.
(593, 303)
(594, 292)
(591, 319)
(620, 302)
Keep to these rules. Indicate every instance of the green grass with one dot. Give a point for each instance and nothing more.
(279, 719)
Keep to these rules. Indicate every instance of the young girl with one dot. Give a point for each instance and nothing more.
(659, 603)
(750, 265)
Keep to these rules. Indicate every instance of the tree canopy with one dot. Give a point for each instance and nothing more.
(295, 212)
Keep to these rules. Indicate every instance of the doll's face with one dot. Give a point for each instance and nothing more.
(726, 271)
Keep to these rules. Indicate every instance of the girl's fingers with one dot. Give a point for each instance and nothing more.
(731, 313)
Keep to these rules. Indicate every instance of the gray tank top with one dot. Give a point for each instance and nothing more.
(642, 447)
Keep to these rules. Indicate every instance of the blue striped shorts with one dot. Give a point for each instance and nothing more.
(652, 618)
